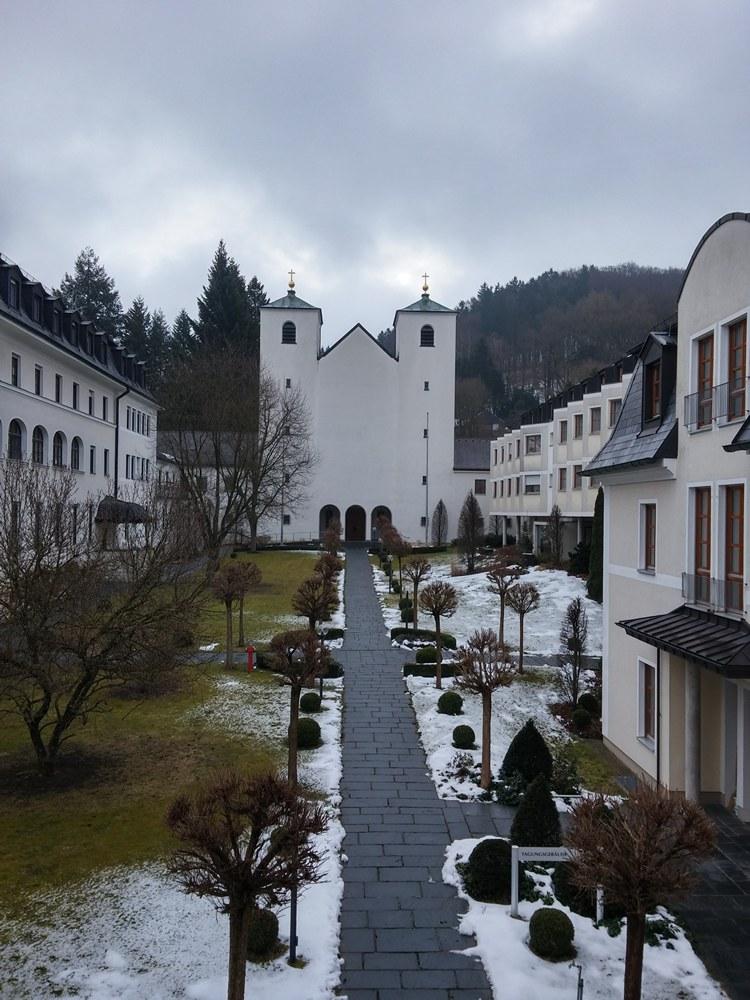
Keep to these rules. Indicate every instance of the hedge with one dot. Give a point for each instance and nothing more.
(423, 634)
(428, 670)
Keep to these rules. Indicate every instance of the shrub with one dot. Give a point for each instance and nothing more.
(463, 737)
(264, 935)
(428, 670)
(426, 634)
(486, 874)
(407, 614)
(551, 934)
(183, 638)
(579, 900)
(332, 633)
(310, 702)
(590, 702)
(528, 754)
(565, 778)
(396, 586)
(427, 654)
(308, 734)
(536, 824)
(404, 602)
(450, 703)
(580, 558)
(262, 660)
(581, 719)
(334, 669)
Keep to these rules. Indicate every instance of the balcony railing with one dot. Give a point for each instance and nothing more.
(727, 401)
(719, 595)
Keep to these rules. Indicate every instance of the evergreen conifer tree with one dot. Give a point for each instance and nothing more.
(158, 349)
(257, 297)
(137, 329)
(91, 290)
(594, 586)
(224, 310)
(536, 824)
(183, 340)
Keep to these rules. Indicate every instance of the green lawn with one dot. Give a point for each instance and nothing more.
(268, 609)
(597, 766)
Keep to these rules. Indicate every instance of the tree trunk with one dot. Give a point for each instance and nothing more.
(292, 736)
(229, 658)
(241, 637)
(416, 605)
(45, 760)
(253, 535)
(520, 644)
(486, 779)
(501, 633)
(239, 927)
(636, 930)
(438, 654)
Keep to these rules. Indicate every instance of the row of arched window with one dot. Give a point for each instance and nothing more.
(289, 334)
(39, 446)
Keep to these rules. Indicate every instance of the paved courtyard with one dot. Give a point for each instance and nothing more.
(398, 921)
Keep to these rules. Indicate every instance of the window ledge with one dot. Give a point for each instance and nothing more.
(648, 743)
(646, 572)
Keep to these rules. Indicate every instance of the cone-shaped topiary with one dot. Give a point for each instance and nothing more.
(310, 702)
(463, 737)
(536, 824)
(450, 703)
(528, 755)
(551, 934)
(308, 734)
(264, 935)
(590, 702)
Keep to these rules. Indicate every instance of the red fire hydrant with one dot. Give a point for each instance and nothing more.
(250, 659)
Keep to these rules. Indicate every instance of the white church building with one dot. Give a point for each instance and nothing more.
(383, 424)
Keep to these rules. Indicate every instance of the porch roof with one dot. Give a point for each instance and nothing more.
(719, 643)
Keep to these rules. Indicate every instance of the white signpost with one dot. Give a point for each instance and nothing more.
(540, 855)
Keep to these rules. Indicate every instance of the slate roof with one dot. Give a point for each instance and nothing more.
(292, 301)
(471, 454)
(721, 644)
(423, 305)
(630, 443)
(357, 326)
(741, 440)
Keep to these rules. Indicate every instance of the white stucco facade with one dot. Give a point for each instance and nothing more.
(382, 425)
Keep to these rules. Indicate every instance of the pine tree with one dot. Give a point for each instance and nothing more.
(158, 349)
(91, 290)
(224, 310)
(183, 341)
(594, 586)
(537, 823)
(137, 328)
(257, 297)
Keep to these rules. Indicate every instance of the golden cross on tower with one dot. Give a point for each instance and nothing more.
(291, 279)
(425, 286)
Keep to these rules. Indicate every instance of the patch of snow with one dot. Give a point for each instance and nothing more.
(209, 648)
(669, 973)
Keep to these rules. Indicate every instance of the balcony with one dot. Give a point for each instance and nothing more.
(724, 402)
(715, 594)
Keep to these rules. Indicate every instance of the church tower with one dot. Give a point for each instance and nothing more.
(290, 341)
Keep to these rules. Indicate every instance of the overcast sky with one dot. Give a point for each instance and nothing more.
(362, 143)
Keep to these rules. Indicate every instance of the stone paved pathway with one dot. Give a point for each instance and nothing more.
(398, 921)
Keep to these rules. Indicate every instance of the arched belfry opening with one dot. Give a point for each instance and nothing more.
(355, 526)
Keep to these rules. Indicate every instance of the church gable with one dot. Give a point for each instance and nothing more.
(358, 343)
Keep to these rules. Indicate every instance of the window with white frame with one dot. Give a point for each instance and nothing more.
(562, 479)
(533, 444)
(563, 431)
(532, 485)
(647, 703)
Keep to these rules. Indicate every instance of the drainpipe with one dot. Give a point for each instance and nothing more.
(117, 440)
(658, 716)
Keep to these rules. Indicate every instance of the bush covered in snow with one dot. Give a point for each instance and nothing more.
(551, 934)
(450, 703)
(423, 635)
(537, 823)
(528, 755)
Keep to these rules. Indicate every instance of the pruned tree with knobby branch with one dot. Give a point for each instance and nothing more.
(500, 578)
(643, 850)
(315, 599)
(416, 569)
(523, 598)
(244, 842)
(397, 547)
(300, 658)
(484, 665)
(439, 599)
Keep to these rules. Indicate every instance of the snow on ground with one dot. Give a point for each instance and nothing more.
(478, 608)
(130, 934)
(511, 708)
(670, 973)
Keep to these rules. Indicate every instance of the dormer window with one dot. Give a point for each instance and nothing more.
(652, 393)
(57, 322)
(14, 293)
(427, 337)
(74, 334)
(289, 333)
(36, 309)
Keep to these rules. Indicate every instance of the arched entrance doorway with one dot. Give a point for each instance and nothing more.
(379, 514)
(356, 524)
(328, 515)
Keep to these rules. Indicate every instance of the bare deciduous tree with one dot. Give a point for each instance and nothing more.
(500, 578)
(246, 841)
(484, 666)
(300, 658)
(77, 620)
(332, 537)
(415, 570)
(439, 527)
(329, 565)
(315, 599)
(439, 599)
(250, 577)
(642, 850)
(470, 530)
(573, 639)
(522, 598)
(397, 547)
(226, 584)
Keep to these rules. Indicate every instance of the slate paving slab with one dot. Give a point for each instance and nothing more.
(398, 920)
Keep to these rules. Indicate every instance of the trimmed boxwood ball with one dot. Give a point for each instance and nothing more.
(310, 702)
(589, 701)
(308, 734)
(463, 737)
(581, 719)
(528, 755)
(450, 703)
(551, 934)
(264, 934)
(486, 874)
(536, 823)
(428, 654)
